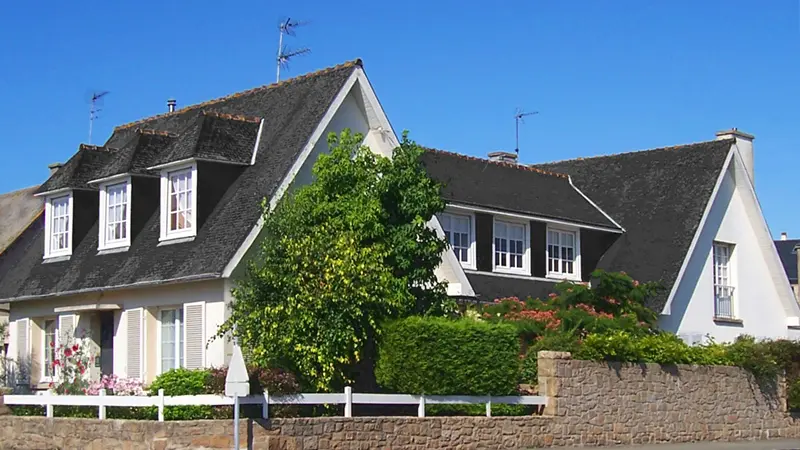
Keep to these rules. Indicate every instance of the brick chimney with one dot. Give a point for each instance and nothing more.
(54, 168)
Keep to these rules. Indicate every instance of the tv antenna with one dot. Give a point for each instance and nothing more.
(285, 54)
(519, 117)
(96, 101)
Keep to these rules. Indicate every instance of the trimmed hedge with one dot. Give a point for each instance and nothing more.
(437, 356)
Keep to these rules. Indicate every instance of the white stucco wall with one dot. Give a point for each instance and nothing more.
(151, 299)
(757, 302)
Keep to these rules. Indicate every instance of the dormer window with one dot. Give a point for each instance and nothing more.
(179, 203)
(563, 253)
(58, 226)
(115, 213)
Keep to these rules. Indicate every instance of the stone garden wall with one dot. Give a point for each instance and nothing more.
(590, 404)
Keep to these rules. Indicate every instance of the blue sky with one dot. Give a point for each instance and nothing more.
(606, 76)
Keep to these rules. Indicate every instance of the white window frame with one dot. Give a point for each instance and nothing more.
(724, 289)
(104, 242)
(180, 344)
(48, 225)
(526, 247)
(191, 231)
(470, 262)
(576, 265)
(44, 377)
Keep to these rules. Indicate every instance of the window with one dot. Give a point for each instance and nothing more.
(58, 226)
(509, 247)
(171, 339)
(50, 343)
(115, 208)
(723, 285)
(179, 203)
(458, 232)
(562, 252)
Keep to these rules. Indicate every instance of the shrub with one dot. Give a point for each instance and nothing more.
(273, 380)
(183, 382)
(425, 355)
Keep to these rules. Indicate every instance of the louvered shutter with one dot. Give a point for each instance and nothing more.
(66, 328)
(23, 348)
(194, 334)
(133, 321)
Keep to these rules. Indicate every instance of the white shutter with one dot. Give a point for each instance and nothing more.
(133, 321)
(66, 328)
(194, 334)
(23, 348)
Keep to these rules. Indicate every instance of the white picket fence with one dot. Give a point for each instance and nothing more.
(347, 398)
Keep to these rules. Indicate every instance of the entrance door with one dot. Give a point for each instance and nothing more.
(106, 342)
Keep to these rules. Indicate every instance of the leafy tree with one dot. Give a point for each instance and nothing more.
(338, 258)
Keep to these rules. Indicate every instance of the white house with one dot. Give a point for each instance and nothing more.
(143, 238)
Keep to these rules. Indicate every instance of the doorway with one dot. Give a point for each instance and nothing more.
(106, 342)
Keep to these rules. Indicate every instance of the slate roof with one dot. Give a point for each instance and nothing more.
(788, 257)
(291, 110)
(80, 169)
(658, 196)
(510, 187)
(214, 137)
(491, 287)
(18, 209)
(137, 154)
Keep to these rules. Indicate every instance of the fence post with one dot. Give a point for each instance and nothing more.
(489, 407)
(101, 413)
(421, 409)
(265, 405)
(348, 401)
(160, 405)
(49, 406)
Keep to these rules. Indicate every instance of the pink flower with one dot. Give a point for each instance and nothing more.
(553, 295)
(635, 283)
(75, 348)
(67, 353)
(52, 344)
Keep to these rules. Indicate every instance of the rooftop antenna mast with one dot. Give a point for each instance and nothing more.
(519, 117)
(94, 109)
(285, 54)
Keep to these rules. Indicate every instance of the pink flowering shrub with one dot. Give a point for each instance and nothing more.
(116, 386)
(72, 361)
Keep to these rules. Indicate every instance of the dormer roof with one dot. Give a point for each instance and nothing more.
(136, 154)
(211, 136)
(79, 170)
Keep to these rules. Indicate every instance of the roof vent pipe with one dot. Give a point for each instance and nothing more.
(784, 236)
(171, 103)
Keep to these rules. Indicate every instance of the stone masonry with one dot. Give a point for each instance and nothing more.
(590, 404)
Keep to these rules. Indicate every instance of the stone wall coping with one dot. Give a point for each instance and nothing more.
(546, 354)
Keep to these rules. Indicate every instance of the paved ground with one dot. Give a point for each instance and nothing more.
(753, 445)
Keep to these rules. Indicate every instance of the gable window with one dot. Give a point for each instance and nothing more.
(171, 339)
(723, 283)
(50, 331)
(115, 212)
(58, 226)
(179, 203)
(510, 247)
(458, 232)
(562, 254)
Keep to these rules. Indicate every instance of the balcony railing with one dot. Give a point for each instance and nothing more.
(723, 302)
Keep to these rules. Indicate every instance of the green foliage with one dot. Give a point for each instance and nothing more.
(340, 256)
(183, 382)
(274, 381)
(437, 356)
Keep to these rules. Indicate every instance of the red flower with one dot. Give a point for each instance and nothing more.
(82, 370)
(52, 344)
(56, 363)
(67, 353)
(552, 295)
(75, 348)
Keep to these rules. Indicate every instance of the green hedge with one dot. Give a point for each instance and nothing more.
(436, 356)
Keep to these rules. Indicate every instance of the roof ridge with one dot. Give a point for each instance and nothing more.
(499, 163)
(15, 191)
(155, 132)
(355, 62)
(100, 148)
(237, 117)
(671, 147)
